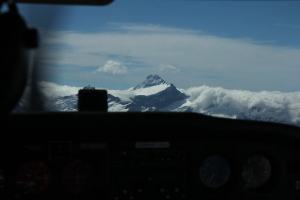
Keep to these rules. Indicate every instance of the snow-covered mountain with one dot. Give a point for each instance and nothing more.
(151, 95)
(155, 94)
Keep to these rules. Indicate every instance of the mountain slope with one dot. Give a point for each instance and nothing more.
(152, 94)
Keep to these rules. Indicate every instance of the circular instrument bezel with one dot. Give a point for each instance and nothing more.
(271, 178)
(81, 180)
(209, 171)
(30, 175)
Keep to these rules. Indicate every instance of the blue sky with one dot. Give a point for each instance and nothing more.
(245, 45)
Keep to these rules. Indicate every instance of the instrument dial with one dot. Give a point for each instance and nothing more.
(33, 178)
(78, 177)
(214, 171)
(256, 171)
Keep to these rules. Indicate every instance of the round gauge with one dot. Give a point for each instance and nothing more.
(256, 171)
(214, 171)
(33, 178)
(78, 177)
(2, 179)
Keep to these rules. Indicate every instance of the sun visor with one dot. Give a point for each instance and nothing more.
(68, 2)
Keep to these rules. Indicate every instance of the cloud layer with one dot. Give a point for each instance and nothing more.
(215, 101)
(237, 63)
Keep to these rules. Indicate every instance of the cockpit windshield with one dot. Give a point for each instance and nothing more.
(237, 59)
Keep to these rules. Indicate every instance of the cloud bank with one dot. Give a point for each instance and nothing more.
(52, 90)
(265, 106)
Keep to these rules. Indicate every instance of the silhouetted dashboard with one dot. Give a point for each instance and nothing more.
(147, 156)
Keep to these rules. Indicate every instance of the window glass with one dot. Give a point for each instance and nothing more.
(234, 59)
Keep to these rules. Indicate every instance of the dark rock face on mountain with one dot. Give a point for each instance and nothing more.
(160, 99)
(66, 103)
(111, 98)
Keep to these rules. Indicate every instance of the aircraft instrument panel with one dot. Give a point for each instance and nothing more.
(189, 157)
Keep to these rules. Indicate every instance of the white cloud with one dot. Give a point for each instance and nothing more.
(169, 68)
(112, 67)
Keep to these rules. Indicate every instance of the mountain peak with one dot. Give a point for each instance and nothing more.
(89, 87)
(150, 81)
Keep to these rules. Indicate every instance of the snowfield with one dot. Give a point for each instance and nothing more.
(151, 90)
